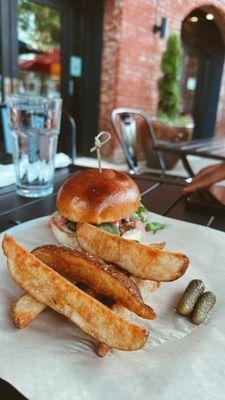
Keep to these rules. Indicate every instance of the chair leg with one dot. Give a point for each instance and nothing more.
(187, 165)
(161, 162)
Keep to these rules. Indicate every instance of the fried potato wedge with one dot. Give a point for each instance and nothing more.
(145, 262)
(146, 287)
(94, 272)
(157, 245)
(50, 288)
(25, 310)
(102, 349)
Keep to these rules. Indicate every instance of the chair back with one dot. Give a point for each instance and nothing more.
(125, 127)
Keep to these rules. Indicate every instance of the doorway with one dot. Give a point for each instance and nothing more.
(203, 68)
(53, 48)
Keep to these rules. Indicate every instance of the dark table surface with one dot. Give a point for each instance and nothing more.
(159, 195)
(209, 148)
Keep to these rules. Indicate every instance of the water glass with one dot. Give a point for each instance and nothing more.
(35, 125)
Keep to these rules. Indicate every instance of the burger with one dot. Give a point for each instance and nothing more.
(101, 213)
(109, 200)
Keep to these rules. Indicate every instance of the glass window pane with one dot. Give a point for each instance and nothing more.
(0, 60)
(39, 52)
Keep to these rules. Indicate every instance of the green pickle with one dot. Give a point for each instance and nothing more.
(191, 294)
(202, 307)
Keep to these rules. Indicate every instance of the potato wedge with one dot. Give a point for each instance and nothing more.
(142, 261)
(25, 310)
(102, 349)
(94, 272)
(146, 287)
(50, 288)
(157, 245)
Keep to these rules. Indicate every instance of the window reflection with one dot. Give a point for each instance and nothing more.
(39, 55)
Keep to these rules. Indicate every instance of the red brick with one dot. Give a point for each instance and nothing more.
(132, 54)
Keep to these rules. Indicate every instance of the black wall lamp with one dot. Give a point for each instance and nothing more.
(162, 29)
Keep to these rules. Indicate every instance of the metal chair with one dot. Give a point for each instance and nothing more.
(124, 124)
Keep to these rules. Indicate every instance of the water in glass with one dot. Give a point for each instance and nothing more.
(35, 124)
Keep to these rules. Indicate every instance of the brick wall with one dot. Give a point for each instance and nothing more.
(132, 54)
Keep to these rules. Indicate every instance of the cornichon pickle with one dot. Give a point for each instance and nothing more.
(202, 307)
(190, 296)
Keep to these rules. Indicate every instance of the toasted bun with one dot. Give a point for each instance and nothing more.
(63, 234)
(95, 197)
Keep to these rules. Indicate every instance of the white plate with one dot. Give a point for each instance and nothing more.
(51, 359)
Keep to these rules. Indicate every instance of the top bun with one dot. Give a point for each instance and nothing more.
(96, 197)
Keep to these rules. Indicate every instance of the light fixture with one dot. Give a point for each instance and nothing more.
(209, 17)
(194, 18)
(162, 29)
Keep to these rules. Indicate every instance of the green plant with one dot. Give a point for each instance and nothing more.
(39, 25)
(169, 84)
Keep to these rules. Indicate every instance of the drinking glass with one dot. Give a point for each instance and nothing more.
(35, 124)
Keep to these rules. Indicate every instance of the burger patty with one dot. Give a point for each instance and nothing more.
(124, 226)
(71, 225)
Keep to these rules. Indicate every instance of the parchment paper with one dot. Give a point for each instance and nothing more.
(51, 359)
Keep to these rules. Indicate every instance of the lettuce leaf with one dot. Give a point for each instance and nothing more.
(142, 213)
(108, 227)
(154, 227)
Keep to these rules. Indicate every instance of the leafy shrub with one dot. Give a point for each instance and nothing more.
(169, 84)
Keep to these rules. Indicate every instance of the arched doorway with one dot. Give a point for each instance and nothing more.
(204, 52)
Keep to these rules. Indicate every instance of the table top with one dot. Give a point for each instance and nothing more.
(159, 195)
(210, 148)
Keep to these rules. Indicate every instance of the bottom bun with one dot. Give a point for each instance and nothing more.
(62, 233)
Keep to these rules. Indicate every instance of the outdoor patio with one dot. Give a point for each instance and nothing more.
(112, 199)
